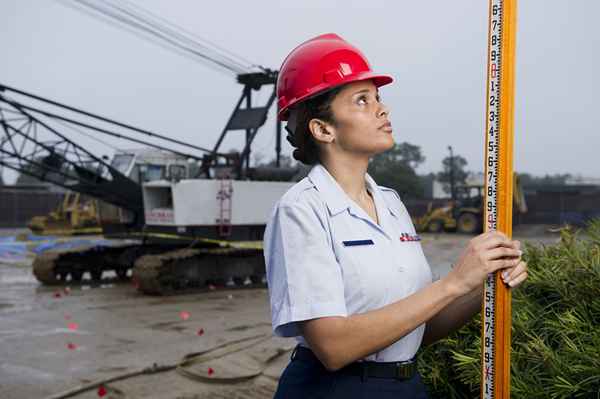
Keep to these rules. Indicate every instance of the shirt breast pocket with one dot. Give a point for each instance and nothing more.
(367, 270)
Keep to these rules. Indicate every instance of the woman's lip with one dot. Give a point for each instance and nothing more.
(386, 127)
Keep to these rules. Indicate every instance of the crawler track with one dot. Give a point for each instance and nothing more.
(156, 269)
(196, 269)
(70, 265)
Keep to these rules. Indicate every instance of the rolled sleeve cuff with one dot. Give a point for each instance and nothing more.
(284, 323)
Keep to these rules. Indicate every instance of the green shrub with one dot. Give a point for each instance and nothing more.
(555, 329)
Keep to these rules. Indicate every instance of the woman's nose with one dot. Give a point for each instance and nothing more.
(383, 110)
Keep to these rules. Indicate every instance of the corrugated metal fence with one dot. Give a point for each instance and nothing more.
(562, 207)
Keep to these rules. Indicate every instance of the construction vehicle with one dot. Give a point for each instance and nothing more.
(73, 216)
(185, 225)
(183, 221)
(464, 212)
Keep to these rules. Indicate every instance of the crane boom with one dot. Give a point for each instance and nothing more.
(56, 159)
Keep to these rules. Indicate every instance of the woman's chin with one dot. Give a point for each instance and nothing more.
(380, 149)
(384, 145)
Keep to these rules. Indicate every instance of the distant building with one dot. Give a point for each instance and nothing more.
(438, 190)
(581, 180)
(475, 179)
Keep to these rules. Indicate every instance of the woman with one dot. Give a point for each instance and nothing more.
(346, 273)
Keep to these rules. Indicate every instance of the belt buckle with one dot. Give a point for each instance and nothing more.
(404, 370)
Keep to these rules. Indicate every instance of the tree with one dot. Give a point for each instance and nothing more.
(395, 168)
(406, 153)
(458, 171)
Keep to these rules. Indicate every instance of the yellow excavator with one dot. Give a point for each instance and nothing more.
(464, 213)
(73, 216)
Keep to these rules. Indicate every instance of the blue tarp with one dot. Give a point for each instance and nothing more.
(12, 249)
(54, 245)
(33, 237)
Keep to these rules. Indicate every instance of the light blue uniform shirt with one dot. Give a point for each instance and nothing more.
(325, 256)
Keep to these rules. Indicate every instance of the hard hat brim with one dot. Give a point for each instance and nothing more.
(378, 80)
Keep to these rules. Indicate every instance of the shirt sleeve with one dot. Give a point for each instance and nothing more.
(304, 278)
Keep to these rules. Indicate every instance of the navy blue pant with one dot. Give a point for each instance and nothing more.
(309, 379)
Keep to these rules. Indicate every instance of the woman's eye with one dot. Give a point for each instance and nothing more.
(362, 100)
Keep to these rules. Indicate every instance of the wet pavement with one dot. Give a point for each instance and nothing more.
(56, 338)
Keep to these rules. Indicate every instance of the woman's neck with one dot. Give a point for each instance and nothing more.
(350, 175)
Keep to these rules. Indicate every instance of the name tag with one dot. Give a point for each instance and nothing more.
(357, 242)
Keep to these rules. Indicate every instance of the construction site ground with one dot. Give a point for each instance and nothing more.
(54, 339)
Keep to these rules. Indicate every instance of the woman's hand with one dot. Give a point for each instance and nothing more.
(487, 253)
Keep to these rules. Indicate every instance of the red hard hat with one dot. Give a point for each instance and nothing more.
(320, 64)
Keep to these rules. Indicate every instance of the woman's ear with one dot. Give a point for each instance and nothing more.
(321, 131)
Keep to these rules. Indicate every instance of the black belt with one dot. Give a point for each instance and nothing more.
(397, 370)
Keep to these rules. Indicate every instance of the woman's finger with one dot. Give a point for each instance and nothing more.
(512, 273)
(502, 252)
(495, 265)
(517, 280)
(496, 240)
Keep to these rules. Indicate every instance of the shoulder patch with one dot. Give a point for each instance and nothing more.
(390, 190)
(293, 194)
(392, 198)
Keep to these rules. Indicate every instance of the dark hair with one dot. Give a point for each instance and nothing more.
(318, 107)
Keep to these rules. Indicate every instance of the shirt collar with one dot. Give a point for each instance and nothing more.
(335, 197)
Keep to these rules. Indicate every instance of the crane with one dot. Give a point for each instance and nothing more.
(173, 252)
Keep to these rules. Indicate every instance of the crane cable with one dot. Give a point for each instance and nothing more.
(162, 32)
(171, 29)
(147, 32)
(244, 63)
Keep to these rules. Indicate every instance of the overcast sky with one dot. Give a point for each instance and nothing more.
(436, 50)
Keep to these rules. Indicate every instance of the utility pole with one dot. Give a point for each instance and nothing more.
(452, 193)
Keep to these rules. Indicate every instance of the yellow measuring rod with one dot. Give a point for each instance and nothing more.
(496, 303)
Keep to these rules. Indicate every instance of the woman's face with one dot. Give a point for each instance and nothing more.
(362, 124)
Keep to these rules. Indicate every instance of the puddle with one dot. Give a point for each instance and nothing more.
(248, 327)
(239, 328)
(14, 308)
(224, 308)
(24, 372)
(8, 334)
(13, 279)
